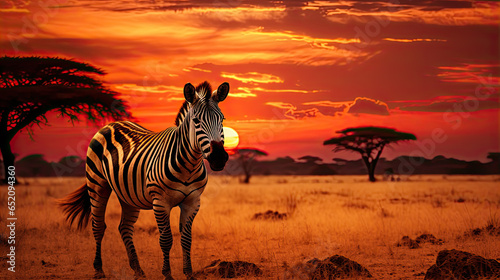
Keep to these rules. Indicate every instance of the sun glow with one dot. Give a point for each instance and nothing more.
(231, 138)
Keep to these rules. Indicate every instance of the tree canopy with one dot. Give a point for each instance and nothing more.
(369, 141)
(32, 86)
(310, 159)
(246, 157)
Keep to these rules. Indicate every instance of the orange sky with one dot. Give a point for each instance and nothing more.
(298, 71)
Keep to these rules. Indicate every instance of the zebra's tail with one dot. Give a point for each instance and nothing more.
(77, 206)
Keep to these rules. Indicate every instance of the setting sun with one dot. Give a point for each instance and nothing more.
(231, 138)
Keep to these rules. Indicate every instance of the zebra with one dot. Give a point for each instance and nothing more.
(149, 170)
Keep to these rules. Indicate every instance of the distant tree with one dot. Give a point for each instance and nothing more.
(32, 86)
(369, 141)
(69, 166)
(310, 159)
(284, 160)
(495, 157)
(246, 157)
(33, 166)
(495, 162)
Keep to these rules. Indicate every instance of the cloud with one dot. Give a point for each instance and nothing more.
(309, 109)
(290, 111)
(252, 77)
(364, 105)
(429, 12)
(485, 74)
(328, 108)
(189, 69)
(413, 40)
(290, 36)
(328, 103)
(242, 94)
(361, 105)
(259, 89)
(453, 104)
(162, 89)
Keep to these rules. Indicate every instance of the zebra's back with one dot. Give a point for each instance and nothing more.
(122, 153)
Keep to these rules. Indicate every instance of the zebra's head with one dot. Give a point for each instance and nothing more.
(206, 116)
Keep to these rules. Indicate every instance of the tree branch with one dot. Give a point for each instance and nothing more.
(28, 119)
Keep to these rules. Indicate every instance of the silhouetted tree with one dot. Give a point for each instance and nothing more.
(369, 142)
(246, 157)
(69, 166)
(33, 166)
(32, 86)
(495, 157)
(495, 162)
(311, 159)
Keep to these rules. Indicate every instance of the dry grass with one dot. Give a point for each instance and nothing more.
(342, 215)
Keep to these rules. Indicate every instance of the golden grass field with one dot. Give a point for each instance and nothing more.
(328, 215)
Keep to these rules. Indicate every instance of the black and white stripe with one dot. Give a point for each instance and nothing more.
(149, 170)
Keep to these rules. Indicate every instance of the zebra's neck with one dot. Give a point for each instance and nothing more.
(182, 113)
(188, 152)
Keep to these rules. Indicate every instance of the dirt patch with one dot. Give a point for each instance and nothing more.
(399, 200)
(48, 264)
(334, 267)
(408, 242)
(225, 269)
(428, 238)
(356, 205)
(270, 215)
(454, 264)
(320, 192)
(417, 242)
(489, 229)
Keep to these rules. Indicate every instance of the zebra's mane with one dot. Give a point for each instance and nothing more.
(182, 113)
(204, 91)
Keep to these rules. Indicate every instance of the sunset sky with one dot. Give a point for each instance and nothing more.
(298, 71)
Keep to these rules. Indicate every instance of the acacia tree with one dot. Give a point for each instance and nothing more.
(246, 157)
(32, 86)
(310, 159)
(369, 141)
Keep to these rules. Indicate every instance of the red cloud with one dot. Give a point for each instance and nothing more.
(364, 105)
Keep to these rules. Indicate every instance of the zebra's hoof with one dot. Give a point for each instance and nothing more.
(169, 277)
(190, 277)
(99, 275)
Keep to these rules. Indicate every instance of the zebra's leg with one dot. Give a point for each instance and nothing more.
(188, 213)
(126, 227)
(99, 195)
(162, 215)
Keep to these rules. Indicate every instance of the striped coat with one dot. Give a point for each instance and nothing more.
(149, 170)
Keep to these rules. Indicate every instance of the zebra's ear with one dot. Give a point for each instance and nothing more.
(189, 93)
(222, 92)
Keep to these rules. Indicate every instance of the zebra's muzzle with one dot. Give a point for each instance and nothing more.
(218, 156)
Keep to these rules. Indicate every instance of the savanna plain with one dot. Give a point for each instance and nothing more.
(326, 215)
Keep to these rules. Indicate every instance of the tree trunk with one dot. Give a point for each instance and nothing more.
(370, 167)
(245, 164)
(371, 172)
(7, 155)
(373, 164)
(247, 178)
